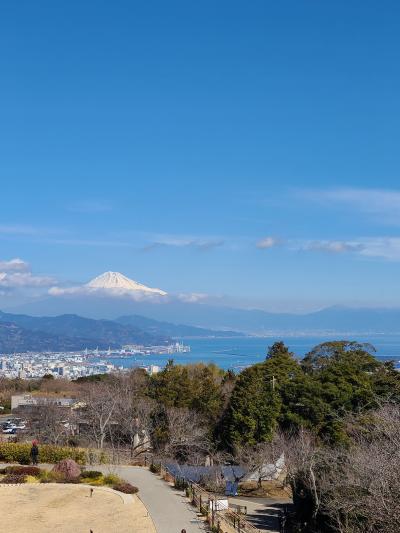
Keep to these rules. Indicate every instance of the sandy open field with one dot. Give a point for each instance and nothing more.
(56, 508)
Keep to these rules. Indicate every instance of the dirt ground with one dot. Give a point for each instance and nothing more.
(56, 508)
(268, 489)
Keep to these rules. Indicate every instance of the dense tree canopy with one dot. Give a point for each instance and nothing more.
(334, 379)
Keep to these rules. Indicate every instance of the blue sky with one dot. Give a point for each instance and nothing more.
(244, 150)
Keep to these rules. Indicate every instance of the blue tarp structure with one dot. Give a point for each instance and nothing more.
(231, 488)
(195, 474)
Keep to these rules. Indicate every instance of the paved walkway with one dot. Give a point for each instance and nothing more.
(263, 513)
(168, 507)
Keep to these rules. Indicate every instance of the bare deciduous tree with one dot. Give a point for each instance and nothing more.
(363, 490)
(133, 418)
(260, 462)
(188, 437)
(301, 463)
(100, 405)
(353, 488)
(50, 422)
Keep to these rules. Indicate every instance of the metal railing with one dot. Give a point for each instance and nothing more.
(235, 521)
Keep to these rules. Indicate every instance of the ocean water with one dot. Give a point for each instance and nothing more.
(239, 353)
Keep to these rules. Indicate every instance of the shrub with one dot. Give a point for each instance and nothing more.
(91, 474)
(126, 488)
(180, 483)
(14, 478)
(155, 468)
(93, 457)
(11, 452)
(203, 510)
(112, 479)
(68, 469)
(73, 442)
(98, 482)
(50, 477)
(32, 479)
(44, 477)
(18, 452)
(25, 470)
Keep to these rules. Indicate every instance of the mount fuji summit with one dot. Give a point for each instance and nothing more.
(115, 281)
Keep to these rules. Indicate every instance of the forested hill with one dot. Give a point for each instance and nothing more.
(13, 338)
(68, 332)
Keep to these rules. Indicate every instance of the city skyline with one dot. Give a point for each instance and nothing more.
(244, 153)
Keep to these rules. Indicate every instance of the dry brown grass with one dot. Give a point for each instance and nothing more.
(268, 489)
(70, 509)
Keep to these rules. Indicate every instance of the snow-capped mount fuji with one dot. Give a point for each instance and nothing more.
(115, 281)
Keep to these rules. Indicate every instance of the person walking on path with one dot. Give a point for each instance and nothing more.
(34, 452)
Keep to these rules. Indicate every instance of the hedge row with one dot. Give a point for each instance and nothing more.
(24, 470)
(126, 488)
(11, 452)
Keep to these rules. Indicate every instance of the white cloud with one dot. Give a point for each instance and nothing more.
(335, 247)
(28, 230)
(267, 242)
(382, 247)
(208, 245)
(85, 290)
(16, 273)
(13, 280)
(384, 203)
(174, 241)
(90, 242)
(193, 297)
(17, 229)
(14, 265)
(387, 248)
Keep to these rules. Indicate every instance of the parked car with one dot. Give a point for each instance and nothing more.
(10, 431)
(18, 423)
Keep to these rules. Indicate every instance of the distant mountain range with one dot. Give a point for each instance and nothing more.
(173, 330)
(332, 320)
(73, 332)
(112, 295)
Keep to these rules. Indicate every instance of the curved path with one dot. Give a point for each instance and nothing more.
(169, 509)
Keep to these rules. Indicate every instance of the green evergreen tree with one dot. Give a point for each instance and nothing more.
(254, 408)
